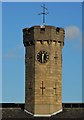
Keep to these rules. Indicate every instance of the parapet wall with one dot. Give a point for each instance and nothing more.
(43, 33)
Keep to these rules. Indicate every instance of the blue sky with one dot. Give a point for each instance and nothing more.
(15, 17)
(0, 52)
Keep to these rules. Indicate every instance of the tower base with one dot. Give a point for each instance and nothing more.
(41, 115)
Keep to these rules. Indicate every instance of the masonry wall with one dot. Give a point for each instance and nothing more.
(29, 78)
(51, 75)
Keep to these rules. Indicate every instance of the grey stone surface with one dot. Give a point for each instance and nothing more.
(70, 111)
(67, 113)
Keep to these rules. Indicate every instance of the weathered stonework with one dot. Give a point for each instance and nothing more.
(43, 92)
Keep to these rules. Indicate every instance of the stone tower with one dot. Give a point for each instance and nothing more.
(43, 69)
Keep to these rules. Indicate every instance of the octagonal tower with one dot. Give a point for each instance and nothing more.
(43, 69)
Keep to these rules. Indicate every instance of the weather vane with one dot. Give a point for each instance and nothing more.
(44, 13)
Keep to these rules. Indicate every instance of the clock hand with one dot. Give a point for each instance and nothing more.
(42, 57)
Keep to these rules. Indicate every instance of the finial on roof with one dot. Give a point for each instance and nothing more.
(44, 13)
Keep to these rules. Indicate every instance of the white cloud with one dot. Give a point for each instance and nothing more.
(19, 46)
(73, 32)
(14, 53)
(11, 55)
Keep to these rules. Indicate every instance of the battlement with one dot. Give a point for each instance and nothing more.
(43, 33)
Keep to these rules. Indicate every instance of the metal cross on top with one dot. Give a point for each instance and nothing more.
(42, 87)
(44, 12)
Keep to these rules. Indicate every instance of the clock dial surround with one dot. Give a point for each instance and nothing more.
(42, 56)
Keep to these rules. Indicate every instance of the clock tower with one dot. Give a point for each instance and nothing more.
(43, 69)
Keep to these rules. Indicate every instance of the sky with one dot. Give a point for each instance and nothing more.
(18, 15)
(82, 50)
(0, 52)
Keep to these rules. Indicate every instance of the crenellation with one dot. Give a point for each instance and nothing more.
(42, 34)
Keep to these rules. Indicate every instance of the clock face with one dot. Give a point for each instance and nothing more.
(42, 56)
